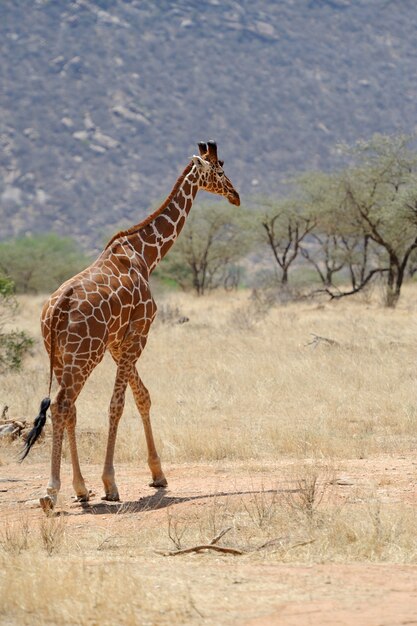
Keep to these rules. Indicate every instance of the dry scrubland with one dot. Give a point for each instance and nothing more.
(302, 448)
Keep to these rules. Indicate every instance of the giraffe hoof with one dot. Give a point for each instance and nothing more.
(159, 483)
(111, 497)
(83, 498)
(47, 504)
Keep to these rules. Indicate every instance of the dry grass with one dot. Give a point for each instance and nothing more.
(228, 385)
(223, 391)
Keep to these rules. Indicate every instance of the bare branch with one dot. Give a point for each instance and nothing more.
(342, 294)
(207, 546)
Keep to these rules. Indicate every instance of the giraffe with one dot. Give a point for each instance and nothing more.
(109, 306)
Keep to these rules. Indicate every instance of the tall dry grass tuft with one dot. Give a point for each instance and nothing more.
(310, 482)
(14, 536)
(52, 532)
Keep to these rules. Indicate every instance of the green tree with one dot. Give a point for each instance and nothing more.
(380, 200)
(207, 253)
(41, 262)
(336, 248)
(285, 224)
(365, 217)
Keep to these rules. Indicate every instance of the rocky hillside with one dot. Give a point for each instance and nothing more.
(103, 101)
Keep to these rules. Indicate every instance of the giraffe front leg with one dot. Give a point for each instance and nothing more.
(143, 403)
(115, 413)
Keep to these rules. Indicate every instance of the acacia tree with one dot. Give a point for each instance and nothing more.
(207, 253)
(322, 248)
(285, 225)
(380, 200)
(366, 217)
(336, 247)
(330, 261)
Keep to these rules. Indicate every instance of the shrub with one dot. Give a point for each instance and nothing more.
(40, 263)
(13, 344)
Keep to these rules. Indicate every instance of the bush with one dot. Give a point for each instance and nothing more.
(13, 344)
(40, 263)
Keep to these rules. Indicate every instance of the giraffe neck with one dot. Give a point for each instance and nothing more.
(153, 237)
(163, 231)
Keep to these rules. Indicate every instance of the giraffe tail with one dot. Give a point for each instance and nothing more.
(40, 420)
(36, 431)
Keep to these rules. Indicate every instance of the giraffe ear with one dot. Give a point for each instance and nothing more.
(200, 163)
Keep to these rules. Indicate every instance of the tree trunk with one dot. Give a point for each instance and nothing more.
(391, 297)
(394, 284)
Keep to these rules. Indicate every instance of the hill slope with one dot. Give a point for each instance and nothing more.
(103, 101)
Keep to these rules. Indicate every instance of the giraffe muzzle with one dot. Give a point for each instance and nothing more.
(234, 198)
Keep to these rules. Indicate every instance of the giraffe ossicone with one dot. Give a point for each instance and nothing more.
(109, 306)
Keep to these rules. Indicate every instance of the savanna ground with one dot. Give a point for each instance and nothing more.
(301, 449)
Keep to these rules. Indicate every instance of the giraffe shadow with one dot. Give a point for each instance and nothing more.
(160, 500)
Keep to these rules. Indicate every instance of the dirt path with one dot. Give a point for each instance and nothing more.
(254, 592)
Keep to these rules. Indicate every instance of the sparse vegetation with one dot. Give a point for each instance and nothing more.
(353, 395)
(52, 531)
(14, 344)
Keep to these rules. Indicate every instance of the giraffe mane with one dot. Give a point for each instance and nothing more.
(135, 229)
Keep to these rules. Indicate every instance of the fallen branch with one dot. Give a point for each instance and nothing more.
(281, 542)
(208, 546)
(318, 339)
(205, 546)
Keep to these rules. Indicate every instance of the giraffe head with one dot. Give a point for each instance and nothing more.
(211, 173)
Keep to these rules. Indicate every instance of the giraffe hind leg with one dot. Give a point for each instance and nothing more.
(63, 416)
(48, 501)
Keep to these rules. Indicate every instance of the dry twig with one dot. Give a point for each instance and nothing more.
(280, 541)
(318, 339)
(205, 546)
